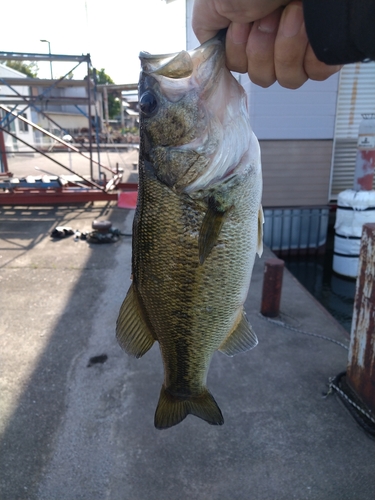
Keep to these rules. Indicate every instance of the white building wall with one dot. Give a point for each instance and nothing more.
(305, 113)
(278, 113)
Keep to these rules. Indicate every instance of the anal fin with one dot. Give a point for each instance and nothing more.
(132, 332)
(241, 339)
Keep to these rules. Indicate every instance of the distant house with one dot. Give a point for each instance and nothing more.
(14, 125)
(58, 107)
(63, 109)
(131, 111)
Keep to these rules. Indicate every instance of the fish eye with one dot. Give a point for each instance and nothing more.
(148, 103)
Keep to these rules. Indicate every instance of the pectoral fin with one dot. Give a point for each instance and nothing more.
(209, 233)
(132, 332)
(260, 231)
(241, 339)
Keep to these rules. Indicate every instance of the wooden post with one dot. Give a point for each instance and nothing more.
(272, 284)
(361, 362)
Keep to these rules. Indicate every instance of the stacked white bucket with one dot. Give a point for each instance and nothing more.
(356, 207)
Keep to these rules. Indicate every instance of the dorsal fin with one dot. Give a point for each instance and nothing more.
(180, 66)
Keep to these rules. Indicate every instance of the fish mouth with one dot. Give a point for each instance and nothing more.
(207, 59)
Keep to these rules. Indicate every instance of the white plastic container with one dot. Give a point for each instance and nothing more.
(354, 208)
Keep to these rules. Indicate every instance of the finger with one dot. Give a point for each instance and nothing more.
(260, 50)
(315, 69)
(290, 47)
(235, 47)
(206, 20)
(209, 16)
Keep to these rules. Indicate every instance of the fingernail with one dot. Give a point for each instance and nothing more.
(239, 33)
(292, 21)
(268, 24)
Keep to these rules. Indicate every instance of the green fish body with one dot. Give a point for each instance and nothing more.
(197, 226)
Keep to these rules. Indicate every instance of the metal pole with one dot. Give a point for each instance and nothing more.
(122, 112)
(89, 114)
(106, 111)
(49, 52)
(361, 361)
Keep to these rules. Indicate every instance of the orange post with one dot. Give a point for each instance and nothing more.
(272, 284)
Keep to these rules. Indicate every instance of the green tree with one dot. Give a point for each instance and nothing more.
(30, 69)
(114, 105)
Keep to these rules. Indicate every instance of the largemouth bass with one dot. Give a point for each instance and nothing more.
(197, 225)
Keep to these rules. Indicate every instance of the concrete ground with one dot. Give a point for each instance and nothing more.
(71, 429)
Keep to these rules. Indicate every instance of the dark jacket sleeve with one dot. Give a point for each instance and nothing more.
(341, 31)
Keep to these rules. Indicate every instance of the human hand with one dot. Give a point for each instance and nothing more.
(265, 38)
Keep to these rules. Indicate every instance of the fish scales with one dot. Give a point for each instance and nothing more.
(185, 296)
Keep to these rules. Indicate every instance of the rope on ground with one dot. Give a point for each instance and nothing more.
(297, 330)
(361, 414)
(357, 408)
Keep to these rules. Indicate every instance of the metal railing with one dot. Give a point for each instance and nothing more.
(296, 230)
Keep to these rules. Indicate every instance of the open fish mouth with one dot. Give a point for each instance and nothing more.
(181, 64)
(180, 72)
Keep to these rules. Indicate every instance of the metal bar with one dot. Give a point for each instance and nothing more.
(291, 233)
(118, 87)
(361, 360)
(309, 217)
(45, 99)
(97, 126)
(106, 113)
(320, 215)
(42, 82)
(81, 111)
(281, 230)
(53, 196)
(92, 183)
(21, 56)
(64, 195)
(270, 222)
(90, 124)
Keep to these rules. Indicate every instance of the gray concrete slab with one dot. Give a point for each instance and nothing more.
(73, 431)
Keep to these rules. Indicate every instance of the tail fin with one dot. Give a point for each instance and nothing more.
(172, 410)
